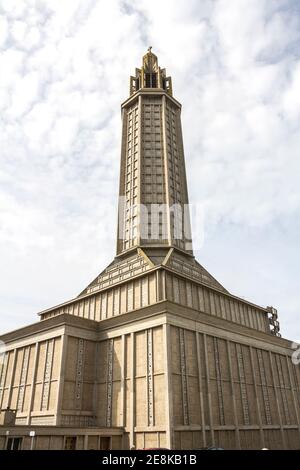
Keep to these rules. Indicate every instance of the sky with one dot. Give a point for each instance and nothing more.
(64, 71)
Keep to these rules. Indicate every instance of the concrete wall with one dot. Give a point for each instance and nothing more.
(29, 378)
(132, 386)
(117, 300)
(58, 438)
(171, 376)
(160, 285)
(232, 395)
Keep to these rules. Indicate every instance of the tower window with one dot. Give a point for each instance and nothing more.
(151, 81)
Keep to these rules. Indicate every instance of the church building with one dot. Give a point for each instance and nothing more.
(154, 352)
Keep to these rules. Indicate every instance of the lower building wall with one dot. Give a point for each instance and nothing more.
(131, 390)
(229, 439)
(244, 397)
(29, 381)
(171, 386)
(60, 439)
(150, 440)
(168, 381)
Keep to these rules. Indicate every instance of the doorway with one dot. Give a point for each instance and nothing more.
(70, 442)
(14, 443)
(104, 443)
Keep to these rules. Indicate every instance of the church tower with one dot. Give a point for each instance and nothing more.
(153, 211)
(154, 352)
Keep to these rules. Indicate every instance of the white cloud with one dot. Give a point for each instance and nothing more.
(3, 30)
(64, 72)
(291, 97)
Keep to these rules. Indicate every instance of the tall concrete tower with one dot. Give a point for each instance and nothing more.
(153, 206)
(153, 211)
(154, 352)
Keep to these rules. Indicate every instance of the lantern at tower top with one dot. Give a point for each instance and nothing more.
(150, 75)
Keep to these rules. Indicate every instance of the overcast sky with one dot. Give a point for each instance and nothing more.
(64, 70)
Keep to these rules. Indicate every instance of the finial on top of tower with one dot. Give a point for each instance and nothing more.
(150, 56)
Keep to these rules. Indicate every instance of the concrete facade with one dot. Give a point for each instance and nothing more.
(155, 352)
(169, 376)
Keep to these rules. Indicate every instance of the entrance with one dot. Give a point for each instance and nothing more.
(105, 443)
(70, 443)
(14, 443)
